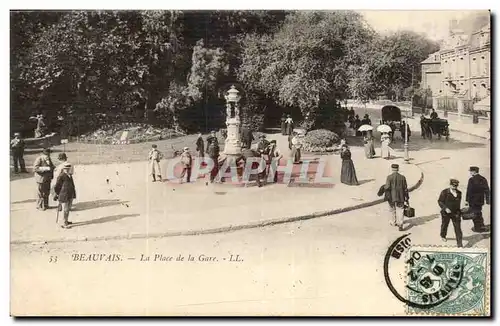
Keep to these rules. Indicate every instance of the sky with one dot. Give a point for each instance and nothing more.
(433, 23)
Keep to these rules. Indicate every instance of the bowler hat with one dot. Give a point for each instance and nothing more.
(154, 146)
(474, 169)
(454, 182)
(395, 166)
(262, 136)
(46, 151)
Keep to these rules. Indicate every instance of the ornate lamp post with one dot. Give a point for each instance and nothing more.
(233, 144)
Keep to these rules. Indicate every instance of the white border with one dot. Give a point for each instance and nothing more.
(185, 4)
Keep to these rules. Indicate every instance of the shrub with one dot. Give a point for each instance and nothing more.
(320, 140)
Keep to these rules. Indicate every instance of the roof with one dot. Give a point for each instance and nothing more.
(433, 58)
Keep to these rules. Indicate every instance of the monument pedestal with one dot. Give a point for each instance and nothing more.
(233, 144)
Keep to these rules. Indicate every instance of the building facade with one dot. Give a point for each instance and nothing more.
(461, 68)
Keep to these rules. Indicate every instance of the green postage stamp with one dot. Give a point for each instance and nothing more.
(446, 281)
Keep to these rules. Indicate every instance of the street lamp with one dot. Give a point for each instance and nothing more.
(407, 154)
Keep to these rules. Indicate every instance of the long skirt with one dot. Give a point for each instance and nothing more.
(295, 154)
(369, 150)
(348, 173)
(385, 151)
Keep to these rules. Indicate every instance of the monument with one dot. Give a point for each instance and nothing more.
(233, 144)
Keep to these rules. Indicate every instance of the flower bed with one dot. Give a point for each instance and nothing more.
(320, 141)
(138, 133)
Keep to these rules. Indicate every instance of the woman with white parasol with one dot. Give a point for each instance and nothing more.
(385, 141)
(368, 140)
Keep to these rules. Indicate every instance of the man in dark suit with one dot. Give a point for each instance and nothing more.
(44, 173)
(478, 192)
(449, 202)
(65, 193)
(397, 190)
(200, 146)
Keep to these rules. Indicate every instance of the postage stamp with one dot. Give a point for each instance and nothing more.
(448, 281)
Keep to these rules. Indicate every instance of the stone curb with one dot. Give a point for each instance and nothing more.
(225, 228)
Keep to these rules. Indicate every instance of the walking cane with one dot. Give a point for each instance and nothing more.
(57, 214)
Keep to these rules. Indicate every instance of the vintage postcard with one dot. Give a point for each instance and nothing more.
(250, 163)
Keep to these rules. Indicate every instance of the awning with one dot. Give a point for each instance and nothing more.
(483, 105)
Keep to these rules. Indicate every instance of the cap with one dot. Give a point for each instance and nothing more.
(17, 134)
(154, 146)
(262, 136)
(273, 141)
(66, 165)
(474, 169)
(454, 182)
(186, 148)
(62, 156)
(46, 151)
(395, 166)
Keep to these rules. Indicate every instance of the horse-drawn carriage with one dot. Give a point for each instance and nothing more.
(391, 114)
(436, 126)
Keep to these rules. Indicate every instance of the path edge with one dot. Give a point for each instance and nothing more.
(225, 229)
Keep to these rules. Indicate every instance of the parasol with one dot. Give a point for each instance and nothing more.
(365, 128)
(384, 128)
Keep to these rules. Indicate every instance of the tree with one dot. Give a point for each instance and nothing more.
(305, 63)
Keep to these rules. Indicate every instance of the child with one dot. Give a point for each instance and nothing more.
(186, 161)
(154, 158)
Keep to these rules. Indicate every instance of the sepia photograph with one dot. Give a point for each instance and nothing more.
(250, 163)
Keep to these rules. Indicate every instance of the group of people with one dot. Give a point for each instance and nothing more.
(286, 124)
(63, 188)
(477, 194)
(396, 193)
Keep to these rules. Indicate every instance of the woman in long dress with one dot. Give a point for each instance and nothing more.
(368, 143)
(385, 140)
(348, 172)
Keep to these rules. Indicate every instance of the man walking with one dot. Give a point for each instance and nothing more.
(449, 202)
(44, 173)
(17, 146)
(65, 193)
(478, 192)
(154, 162)
(397, 190)
(186, 161)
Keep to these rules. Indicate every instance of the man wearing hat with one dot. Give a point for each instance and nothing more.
(154, 162)
(213, 151)
(246, 137)
(263, 145)
(449, 202)
(17, 146)
(397, 195)
(478, 192)
(186, 161)
(200, 145)
(65, 193)
(44, 172)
